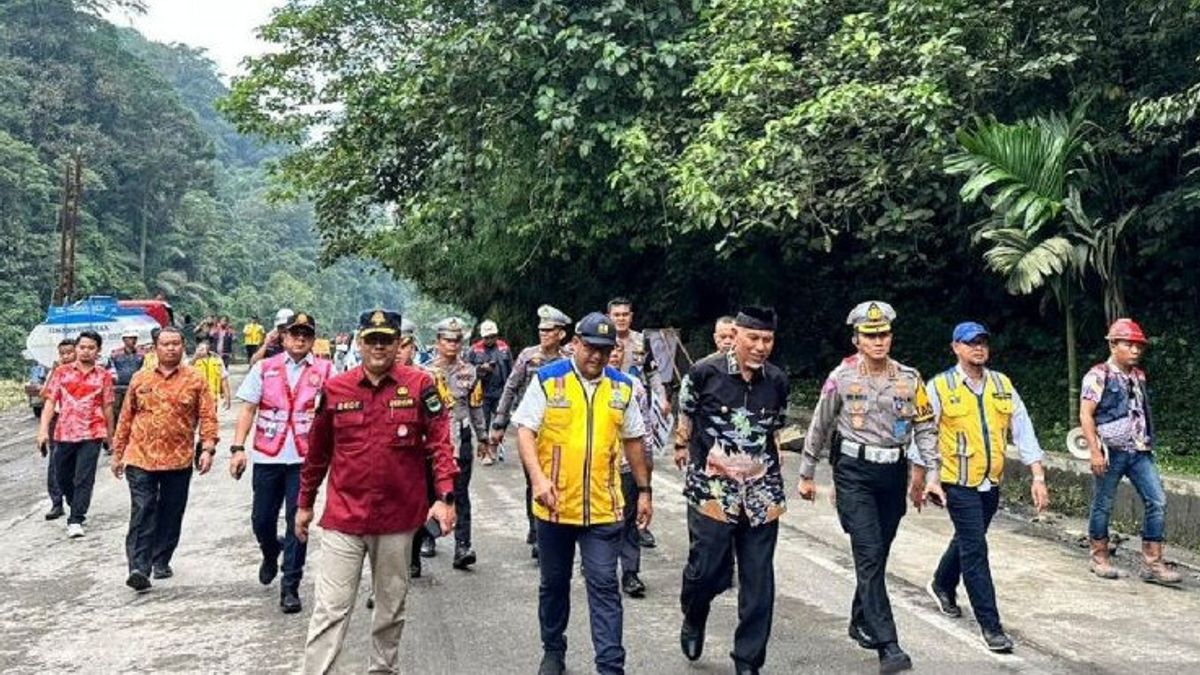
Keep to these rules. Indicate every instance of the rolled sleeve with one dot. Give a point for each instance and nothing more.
(532, 409)
(250, 390)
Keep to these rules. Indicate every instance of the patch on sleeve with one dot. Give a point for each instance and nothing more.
(923, 408)
(433, 402)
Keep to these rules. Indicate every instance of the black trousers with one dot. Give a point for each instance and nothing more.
(422, 534)
(710, 558)
(157, 502)
(631, 537)
(277, 486)
(462, 489)
(870, 504)
(75, 472)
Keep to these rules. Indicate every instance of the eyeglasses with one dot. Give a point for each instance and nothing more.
(379, 340)
(980, 343)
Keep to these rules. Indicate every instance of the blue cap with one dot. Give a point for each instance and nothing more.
(597, 330)
(969, 330)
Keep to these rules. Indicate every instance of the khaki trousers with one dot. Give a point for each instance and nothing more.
(336, 592)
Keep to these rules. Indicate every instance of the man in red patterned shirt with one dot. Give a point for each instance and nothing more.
(84, 397)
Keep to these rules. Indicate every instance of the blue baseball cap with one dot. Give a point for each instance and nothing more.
(969, 330)
(597, 330)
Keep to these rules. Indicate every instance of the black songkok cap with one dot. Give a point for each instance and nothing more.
(757, 318)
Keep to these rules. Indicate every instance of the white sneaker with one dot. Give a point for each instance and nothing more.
(74, 530)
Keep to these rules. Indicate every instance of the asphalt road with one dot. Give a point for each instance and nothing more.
(64, 606)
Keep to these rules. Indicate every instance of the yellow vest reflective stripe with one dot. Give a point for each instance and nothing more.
(579, 445)
(973, 430)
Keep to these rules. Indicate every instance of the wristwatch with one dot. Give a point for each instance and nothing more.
(235, 449)
(644, 490)
(447, 499)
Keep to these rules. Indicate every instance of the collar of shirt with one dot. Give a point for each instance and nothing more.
(165, 375)
(308, 360)
(735, 368)
(588, 385)
(974, 385)
(384, 381)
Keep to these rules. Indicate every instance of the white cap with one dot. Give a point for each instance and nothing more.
(129, 332)
(283, 317)
(488, 329)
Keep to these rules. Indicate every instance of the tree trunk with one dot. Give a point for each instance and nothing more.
(1072, 361)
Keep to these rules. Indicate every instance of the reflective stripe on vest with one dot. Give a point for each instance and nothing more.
(973, 429)
(579, 446)
(284, 409)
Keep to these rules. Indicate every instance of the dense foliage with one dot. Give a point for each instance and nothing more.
(176, 201)
(701, 154)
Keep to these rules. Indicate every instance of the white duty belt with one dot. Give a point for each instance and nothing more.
(872, 453)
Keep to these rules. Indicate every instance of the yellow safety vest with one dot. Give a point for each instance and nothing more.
(210, 368)
(579, 445)
(973, 430)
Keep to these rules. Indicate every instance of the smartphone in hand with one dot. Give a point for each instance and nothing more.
(434, 528)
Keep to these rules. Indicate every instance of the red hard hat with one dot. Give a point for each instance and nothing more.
(1128, 330)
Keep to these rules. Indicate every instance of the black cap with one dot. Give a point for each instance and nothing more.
(301, 320)
(382, 321)
(597, 330)
(757, 318)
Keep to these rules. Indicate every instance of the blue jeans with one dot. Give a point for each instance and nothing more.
(598, 546)
(275, 486)
(1143, 474)
(966, 557)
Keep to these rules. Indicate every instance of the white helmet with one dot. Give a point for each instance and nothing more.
(283, 317)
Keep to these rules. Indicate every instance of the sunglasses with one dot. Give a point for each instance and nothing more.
(377, 340)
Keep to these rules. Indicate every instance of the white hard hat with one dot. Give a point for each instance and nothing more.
(283, 317)
(488, 329)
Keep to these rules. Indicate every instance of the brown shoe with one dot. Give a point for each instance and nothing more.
(1100, 565)
(1154, 570)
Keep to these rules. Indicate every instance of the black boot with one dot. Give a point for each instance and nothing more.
(632, 585)
(691, 639)
(553, 663)
(55, 512)
(892, 659)
(268, 569)
(289, 600)
(464, 557)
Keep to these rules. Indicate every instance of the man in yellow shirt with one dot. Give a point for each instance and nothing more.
(252, 337)
(213, 369)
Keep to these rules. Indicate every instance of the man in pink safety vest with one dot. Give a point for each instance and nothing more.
(280, 396)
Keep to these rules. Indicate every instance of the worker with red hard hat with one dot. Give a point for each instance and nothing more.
(1119, 428)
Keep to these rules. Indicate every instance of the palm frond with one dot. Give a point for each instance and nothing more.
(1026, 264)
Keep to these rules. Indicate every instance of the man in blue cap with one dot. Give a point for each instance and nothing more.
(976, 409)
(576, 420)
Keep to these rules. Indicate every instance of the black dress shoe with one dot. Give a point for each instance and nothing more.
(414, 571)
(691, 640)
(162, 572)
(892, 659)
(55, 512)
(464, 557)
(996, 640)
(861, 636)
(289, 601)
(553, 663)
(743, 669)
(945, 601)
(428, 548)
(268, 570)
(647, 539)
(138, 581)
(632, 585)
